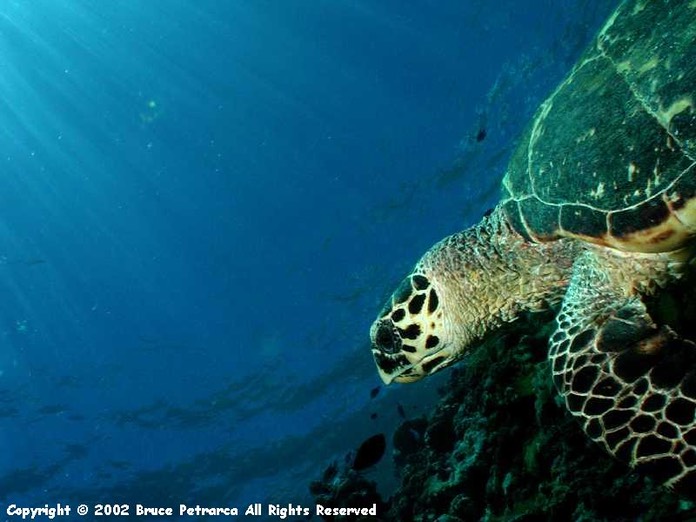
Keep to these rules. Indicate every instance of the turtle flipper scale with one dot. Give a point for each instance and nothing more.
(630, 383)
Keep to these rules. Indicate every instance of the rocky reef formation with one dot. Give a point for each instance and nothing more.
(500, 446)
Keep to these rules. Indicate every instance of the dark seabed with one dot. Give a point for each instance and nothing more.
(205, 204)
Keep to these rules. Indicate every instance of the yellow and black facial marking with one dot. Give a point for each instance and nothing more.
(407, 338)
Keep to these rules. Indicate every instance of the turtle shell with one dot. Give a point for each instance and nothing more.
(610, 156)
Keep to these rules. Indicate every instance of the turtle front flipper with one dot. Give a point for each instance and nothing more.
(631, 383)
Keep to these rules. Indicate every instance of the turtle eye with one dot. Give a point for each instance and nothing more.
(386, 339)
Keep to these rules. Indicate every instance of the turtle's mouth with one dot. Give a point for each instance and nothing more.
(400, 367)
(432, 363)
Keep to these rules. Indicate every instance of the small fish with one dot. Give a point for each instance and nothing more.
(482, 124)
(374, 392)
(32, 262)
(373, 416)
(400, 409)
(370, 452)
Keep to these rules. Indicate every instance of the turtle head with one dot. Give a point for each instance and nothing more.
(410, 336)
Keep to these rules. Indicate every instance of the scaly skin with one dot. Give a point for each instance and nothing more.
(491, 262)
(629, 382)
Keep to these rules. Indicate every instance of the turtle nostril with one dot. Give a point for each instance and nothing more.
(386, 339)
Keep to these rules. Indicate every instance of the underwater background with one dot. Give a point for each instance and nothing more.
(205, 203)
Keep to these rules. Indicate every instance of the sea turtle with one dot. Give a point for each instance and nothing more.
(598, 212)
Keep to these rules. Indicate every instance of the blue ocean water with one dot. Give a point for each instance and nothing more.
(203, 206)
